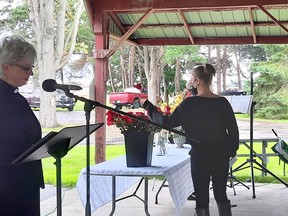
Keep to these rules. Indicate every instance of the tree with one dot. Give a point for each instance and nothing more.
(180, 59)
(123, 68)
(54, 50)
(152, 56)
(218, 68)
(270, 91)
(115, 74)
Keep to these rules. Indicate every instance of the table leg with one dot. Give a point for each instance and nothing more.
(113, 195)
(146, 196)
(145, 201)
(162, 185)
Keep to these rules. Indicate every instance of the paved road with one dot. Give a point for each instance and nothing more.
(262, 129)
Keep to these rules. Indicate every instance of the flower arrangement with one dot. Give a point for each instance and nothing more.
(169, 108)
(126, 123)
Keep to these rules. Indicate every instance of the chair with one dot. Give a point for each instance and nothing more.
(232, 178)
(281, 149)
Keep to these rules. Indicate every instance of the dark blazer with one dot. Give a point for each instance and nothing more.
(19, 129)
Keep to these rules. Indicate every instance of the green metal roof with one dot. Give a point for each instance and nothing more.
(189, 22)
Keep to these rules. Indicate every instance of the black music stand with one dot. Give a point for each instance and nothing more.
(239, 104)
(251, 161)
(57, 145)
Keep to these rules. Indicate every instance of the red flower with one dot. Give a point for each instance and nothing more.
(110, 118)
(126, 123)
(167, 110)
(127, 119)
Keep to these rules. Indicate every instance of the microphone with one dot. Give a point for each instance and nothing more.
(50, 85)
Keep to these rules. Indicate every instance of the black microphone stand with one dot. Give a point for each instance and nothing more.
(95, 103)
(88, 106)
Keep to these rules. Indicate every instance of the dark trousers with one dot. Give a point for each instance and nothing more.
(204, 168)
(20, 201)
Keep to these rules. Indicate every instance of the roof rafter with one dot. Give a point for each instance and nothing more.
(187, 27)
(129, 32)
(207, 25)
(273, 18)
(252, 25)
(130, 5)
(114, 17)
(200, 22)
(212, 41)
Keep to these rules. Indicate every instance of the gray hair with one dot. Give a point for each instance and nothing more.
(13, 49)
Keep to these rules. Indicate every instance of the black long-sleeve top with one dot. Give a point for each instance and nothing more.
(19, 129)
(210, 121)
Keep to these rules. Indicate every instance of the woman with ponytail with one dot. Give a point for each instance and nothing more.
(208, 118)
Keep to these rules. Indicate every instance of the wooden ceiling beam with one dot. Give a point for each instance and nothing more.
(207, 25)
(187, 27)
(118, 38)
(252, 25)
(121, 5)
(129, 32)
(114, 17)
(211, 41)
(273, 18)
(187, 10)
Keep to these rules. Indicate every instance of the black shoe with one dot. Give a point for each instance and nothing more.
(192, 196)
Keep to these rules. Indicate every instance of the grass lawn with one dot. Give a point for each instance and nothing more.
(274, 165)
(75, 161)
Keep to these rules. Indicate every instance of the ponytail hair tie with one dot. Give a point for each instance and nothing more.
(205, 69)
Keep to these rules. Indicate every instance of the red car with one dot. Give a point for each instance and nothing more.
(130, 97)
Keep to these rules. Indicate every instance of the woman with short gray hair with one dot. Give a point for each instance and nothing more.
(19, 129)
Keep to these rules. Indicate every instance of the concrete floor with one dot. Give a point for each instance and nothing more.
(271, 200)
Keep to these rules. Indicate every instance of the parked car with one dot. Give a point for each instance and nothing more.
(232, 92)
(130, 97)
(62, 101)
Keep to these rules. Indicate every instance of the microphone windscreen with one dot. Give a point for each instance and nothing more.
(49, 85)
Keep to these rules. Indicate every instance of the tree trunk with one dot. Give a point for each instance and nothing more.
(209, 54)
(132, 65)
(149, 57)
(69, 41)
(59, 48)
(238, 68)
(123, 69)
(165, 90)
(218, 68)
(177, 76)
(224, 67)
(153, 77)
(50, 58)
(111, 78)
(41, 14)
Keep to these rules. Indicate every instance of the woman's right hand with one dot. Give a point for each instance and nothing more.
(142, 101)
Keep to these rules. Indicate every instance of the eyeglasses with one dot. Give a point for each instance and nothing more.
(26, 69)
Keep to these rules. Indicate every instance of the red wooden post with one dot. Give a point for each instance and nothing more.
(101, 67)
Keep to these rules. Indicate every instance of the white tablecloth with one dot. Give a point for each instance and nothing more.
(175, 166)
